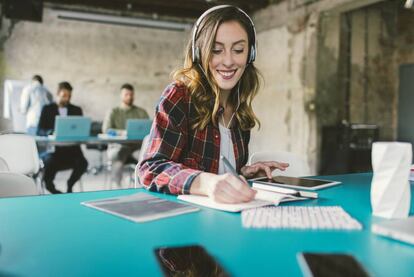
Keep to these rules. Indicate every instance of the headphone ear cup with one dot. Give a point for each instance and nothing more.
(252, 55)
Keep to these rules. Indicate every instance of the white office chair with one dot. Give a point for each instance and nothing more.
(3, 165)
(144, 146)
(16, 184)
(297, 166)
(20, 153)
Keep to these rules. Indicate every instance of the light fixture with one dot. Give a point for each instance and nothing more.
(124, 21)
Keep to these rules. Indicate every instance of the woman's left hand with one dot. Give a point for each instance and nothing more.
(262, 169)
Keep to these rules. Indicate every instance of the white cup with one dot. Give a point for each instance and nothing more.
(390, 187)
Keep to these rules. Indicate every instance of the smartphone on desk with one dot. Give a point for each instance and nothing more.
(329, 264)
(192, 260)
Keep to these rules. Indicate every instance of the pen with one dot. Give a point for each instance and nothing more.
(230, 167)
(260, 195)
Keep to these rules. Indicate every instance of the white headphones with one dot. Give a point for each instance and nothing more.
(196, 50)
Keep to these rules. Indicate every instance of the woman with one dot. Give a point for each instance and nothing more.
(207, 112)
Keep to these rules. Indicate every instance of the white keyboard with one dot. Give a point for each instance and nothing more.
(300, 217)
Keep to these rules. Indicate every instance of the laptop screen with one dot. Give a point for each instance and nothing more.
(138, 128)
(72, 126)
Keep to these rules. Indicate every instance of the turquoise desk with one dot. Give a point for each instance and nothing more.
(56, 236)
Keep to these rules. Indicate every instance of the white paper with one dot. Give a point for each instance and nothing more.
(390, 188)
(262, 198)
(210, 203)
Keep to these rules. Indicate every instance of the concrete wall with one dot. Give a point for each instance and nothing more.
(380, 40)
(286, 59)
(295, 105)
(300, 53)
(95, 58)
(374, 76)
(291, 105)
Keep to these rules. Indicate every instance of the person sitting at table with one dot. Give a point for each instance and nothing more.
(207, 112)
(63, 157)
(115, 121)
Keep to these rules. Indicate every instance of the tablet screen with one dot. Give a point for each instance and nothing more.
(294, 181)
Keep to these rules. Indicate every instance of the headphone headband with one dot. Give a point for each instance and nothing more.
(195, 51)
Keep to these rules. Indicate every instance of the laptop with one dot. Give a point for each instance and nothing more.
(398, 229)
(72, 127)
(138, 128)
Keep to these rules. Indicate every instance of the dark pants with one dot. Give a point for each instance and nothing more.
(64, 157)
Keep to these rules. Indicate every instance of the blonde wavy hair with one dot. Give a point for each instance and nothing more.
(205, 93)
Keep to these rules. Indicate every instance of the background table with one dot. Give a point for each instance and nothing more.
(43, 140)
(56, 236)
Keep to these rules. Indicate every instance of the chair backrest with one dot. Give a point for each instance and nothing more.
(3, 165)
(20, 153)
(15, 184)
(96, 128)
(297, 166)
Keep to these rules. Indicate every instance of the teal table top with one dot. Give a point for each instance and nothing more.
(54, 235)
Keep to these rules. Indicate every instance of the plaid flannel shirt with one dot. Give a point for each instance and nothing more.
(176, 153)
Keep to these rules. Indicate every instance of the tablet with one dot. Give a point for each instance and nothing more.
(296, 182)
(140, 207)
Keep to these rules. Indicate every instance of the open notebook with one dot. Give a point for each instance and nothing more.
(263, 198)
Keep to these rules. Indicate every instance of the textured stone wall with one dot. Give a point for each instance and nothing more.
(301, 53)
(95, 58)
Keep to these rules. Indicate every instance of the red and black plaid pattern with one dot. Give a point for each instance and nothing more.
(176, 153)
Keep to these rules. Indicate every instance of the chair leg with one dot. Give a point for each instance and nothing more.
(39, 182)
(80, 184)
(41, 185)
(107, 182)
(131, 175)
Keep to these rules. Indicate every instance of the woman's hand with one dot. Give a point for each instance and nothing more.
(225, 188)
(262, 169)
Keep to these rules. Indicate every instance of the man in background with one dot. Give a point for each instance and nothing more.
(64, 157)
(115, 121)
(34, 96)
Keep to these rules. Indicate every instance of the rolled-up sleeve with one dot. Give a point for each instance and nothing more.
(162, 168)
